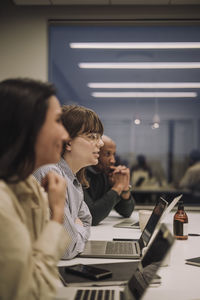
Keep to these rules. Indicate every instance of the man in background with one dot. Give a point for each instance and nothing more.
(109, 185)
(191, 179)
(140, 172)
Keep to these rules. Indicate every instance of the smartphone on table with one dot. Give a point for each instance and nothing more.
(88, 271)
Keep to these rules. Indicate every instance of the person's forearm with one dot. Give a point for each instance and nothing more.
(125, 208)
(77, 245)
(125, 195)
(79, 235)
(57, 217)
(117, 188)
(101, 207)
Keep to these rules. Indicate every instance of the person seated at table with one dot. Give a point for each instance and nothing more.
(142, 176)
(140, 172)
(85, 130)
(31, 244)
(191, 179)
(109, 185)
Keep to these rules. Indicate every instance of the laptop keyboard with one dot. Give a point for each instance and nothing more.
(95, 295)
(119, 248)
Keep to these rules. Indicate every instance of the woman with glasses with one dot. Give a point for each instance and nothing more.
(85, 130)
(31, 135)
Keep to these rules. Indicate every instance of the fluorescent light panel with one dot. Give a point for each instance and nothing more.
(143, 85)
(151, 45)
(145, 65)
(144, 95)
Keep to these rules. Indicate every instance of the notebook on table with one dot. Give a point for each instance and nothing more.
(132, 224)
(126, 249)
(137, 283)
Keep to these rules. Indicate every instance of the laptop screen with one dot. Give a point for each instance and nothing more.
(150, 263)
(152, 222)
(171, 206)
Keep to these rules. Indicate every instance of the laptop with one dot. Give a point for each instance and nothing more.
(170, 207)
(139, 281)
(130, 223)
(126, 249)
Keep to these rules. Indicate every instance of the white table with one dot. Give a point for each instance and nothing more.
(179, 281)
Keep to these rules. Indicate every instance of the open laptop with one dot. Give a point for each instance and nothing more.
(170, 207)
(130, 223)
(139, 281)
(126, 249)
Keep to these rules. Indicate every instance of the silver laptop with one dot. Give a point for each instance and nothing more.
(140, 280)
(132, 224)
(170, 207)
(126, 249)
(128, 223)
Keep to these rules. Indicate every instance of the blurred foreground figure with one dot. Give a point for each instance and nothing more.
(31, 134)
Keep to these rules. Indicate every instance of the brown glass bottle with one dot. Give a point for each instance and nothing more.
(181, 223)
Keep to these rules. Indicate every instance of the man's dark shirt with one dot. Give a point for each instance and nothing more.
(101, 199)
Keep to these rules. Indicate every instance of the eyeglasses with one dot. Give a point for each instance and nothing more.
(93, 137)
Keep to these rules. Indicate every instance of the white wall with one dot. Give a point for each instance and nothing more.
(24, 30)
(23, 45)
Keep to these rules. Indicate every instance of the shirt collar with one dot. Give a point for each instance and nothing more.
(65, 167)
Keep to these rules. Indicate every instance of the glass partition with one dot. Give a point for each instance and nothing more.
(143, 79)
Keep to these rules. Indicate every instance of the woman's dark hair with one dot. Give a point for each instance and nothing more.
(79, 120)
(23, 108)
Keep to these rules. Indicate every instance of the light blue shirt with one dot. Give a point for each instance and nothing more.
(75, 207)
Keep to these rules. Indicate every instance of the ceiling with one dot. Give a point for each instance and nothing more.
(139, 73)
(149, 65)
(106, 2)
